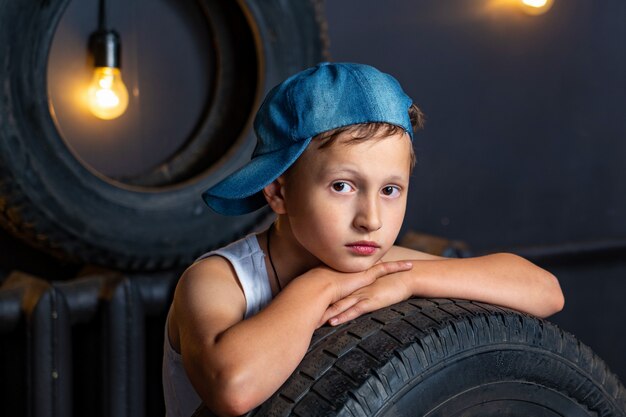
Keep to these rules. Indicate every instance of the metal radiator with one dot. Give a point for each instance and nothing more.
(88, 346)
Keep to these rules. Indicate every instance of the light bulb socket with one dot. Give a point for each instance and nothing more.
(106, 48)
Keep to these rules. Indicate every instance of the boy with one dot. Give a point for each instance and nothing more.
(333, 161)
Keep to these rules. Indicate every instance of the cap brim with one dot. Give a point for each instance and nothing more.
(240, 192)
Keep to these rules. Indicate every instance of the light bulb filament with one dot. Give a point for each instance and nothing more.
(106, 82)
(107, 98)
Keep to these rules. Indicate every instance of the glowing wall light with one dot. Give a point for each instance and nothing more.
(536, 7)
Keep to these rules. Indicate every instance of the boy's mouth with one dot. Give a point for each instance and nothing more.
(363, 247)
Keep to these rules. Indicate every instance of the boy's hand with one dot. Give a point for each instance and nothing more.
(386, 289)
(347, 285)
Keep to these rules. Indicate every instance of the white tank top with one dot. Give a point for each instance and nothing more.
(248, 260)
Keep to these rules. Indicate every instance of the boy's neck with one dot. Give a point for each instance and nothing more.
(289, 257)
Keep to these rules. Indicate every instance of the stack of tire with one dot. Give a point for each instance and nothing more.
(417, 358)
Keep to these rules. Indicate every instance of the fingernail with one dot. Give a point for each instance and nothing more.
(333, 322)
(408, 264)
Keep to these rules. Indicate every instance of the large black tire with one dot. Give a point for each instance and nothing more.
(51, 200)
(447, 358)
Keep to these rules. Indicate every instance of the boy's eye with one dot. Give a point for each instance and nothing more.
(391, 191)
(342, 187)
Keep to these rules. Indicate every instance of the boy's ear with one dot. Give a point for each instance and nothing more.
(274, 196)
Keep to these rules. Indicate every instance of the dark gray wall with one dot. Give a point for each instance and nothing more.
(524, 140)
(525, 136)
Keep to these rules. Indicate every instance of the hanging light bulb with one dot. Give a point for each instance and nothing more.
(536, 7)
(107, 96)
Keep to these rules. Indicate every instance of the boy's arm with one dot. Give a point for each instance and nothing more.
(236, 364)
(503, 279)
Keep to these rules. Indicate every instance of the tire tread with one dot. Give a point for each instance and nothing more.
(356, 368)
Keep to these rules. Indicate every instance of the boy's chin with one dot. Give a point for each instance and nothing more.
(355, 264)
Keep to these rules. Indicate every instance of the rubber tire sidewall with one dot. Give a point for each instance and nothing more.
(54, 202)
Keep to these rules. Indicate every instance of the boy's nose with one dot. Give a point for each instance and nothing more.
(368, 217)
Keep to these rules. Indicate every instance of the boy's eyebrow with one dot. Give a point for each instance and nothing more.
(356, 173)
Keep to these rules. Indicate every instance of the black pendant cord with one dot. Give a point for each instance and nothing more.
(102, 16)
(269, 254)
(104, 43)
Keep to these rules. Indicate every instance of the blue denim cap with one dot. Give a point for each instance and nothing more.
(314, 101)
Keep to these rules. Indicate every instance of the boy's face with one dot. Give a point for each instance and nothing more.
(345, 203)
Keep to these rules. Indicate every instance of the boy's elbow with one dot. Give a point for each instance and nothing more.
(238, 405)
(230, 395)
(555, 300)
(230, 407)
(547, 290)
(559, 298)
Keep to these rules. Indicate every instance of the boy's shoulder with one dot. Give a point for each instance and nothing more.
(208, 283)
(215, 274)
(207, 275)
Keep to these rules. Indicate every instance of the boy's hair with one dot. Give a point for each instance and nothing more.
(377, 130)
